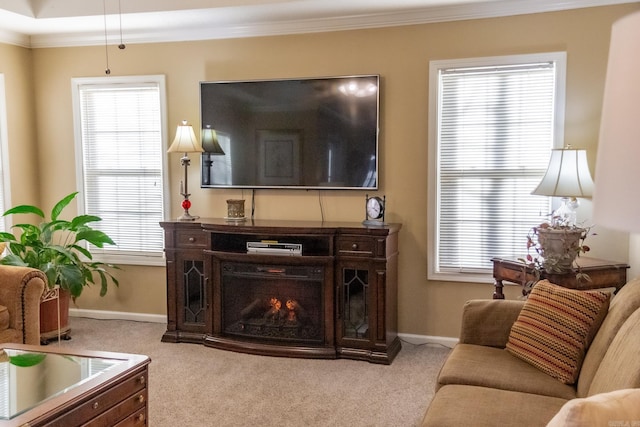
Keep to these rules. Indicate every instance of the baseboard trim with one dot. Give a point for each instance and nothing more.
(160, 318)
(428, 339)
(117, 315)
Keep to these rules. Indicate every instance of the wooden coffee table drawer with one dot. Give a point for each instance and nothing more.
(137, 419)
(109, 406)
(131, 406)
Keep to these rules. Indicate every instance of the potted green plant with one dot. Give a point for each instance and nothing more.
(59, 248)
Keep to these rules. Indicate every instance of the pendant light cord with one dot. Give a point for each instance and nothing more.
(106, 50)
(121, 45)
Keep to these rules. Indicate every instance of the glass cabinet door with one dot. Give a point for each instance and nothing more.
(354, 303)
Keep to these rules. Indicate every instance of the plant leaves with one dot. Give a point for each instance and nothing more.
(95, 237)
(24, 209)
(52, 248)
(59, 207)
(83, 219)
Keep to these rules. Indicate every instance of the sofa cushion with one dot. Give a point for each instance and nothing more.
(555, 328)
(488, 322)
(623, 304)
(463, 405)
(4, 317)
(620, 366)
(619, 407)
(470, 364)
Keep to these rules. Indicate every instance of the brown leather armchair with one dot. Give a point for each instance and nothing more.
(20, 291)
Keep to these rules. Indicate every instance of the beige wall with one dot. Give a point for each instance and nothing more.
(401, 56)
(16, 64)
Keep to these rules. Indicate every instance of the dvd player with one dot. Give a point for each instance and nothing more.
(274, 248)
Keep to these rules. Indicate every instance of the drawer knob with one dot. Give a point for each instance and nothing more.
(142, 379)
(140, 398)
(354, 246)
(95, 405)
(140, 418)
(192, 239)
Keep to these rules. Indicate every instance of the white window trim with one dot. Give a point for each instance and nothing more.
(122, 258)
(561, 63)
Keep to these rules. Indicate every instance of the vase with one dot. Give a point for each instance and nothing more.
(560, 247)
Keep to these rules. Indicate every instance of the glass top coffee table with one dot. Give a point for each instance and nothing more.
(55, 386)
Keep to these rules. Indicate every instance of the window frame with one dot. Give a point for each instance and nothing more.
(122, 257)
(560, 59)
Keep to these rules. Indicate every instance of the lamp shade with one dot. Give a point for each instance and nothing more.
(567, 175)
(616, 199)
(210, 141)
(185, 141)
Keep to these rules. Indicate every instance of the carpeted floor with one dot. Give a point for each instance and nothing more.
(193, 385)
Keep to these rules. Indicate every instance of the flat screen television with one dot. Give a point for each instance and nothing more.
(311, 133)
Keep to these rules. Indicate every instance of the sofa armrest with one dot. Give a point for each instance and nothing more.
(20, 291)
(488, 322)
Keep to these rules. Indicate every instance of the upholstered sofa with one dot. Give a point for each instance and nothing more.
(20, 291)
(482, 382)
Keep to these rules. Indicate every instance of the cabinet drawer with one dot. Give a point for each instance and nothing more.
(123, 411)
(137, 419)
(356, 246)
(191, 239)
(92, 408)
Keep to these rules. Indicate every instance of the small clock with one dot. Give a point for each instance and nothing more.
(374, 207)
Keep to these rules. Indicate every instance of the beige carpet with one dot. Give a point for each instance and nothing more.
(193, 385)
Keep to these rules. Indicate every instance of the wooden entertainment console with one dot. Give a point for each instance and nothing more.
(337, 299)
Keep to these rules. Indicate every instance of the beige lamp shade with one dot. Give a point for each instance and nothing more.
(616, 199)
(185, 140)
(567, 175)
(210, 141)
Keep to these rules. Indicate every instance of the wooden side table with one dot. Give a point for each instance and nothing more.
(603, 274)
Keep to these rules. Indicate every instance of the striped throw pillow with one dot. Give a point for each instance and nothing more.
(555, 327)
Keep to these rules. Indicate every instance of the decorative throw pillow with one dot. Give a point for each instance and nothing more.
(555, 327)
(616, 408)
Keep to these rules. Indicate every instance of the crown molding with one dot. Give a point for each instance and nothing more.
(14, 38)
(276, 27)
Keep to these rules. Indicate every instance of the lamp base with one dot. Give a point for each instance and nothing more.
(186, 216)
(566, 213)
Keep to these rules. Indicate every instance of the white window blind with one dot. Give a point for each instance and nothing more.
(122, 162)
(496, 125)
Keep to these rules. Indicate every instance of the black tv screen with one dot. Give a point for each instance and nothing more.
(312, 133)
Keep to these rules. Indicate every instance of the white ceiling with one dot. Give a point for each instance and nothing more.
(49, 23)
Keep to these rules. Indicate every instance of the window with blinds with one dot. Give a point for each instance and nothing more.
(494, 123)
(120, 157)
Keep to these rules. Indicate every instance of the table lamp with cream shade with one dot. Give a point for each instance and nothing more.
(568, 177)
(616, 199)
(185, 142)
